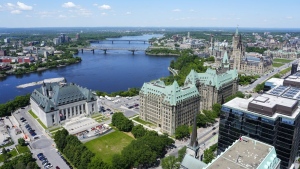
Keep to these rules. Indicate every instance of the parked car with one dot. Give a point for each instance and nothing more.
(22, 118)
(57, 167)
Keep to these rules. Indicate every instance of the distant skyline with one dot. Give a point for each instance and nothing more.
(137, 13)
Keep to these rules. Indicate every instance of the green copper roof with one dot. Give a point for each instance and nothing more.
(237, 31)
(51, 95)
(172, 93)
(225, 60)
(210, 77)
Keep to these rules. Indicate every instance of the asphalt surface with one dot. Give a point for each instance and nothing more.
(265, 77)
(44, 144)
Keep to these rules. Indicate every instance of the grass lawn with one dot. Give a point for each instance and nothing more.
(108, 145)
(55, 130)
(42, 124)
(142, 121)
(284, 71)
(23, 149)
(32, 114)
(281, 60)
(12, 154)
(277, 64)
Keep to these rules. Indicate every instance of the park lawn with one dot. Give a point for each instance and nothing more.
(108, 145)
(42, 124)
(142, 121)
(12, 154)
(277, 64)
(32, 114)
(23, 149)
(281, 60)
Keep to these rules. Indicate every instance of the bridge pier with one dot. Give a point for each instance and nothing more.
(144, 42)
(81, 50)
(93, 51)
(104, 51)
(129, 41)
(112, 42)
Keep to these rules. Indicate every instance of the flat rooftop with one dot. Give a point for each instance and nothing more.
(242, 104)
(247, 153)
(80, 124)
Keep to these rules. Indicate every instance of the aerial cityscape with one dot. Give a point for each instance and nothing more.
(149, 85)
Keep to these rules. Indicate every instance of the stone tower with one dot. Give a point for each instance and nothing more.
(212, 44)
(193, 147)
(237, 50)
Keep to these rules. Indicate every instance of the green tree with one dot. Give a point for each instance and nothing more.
(170, 162)
(21, 141)
(181, 153)
(182, 132)
(119, 162)
(138, 131)
(97, 163)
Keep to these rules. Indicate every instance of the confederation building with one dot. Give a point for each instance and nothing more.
(171, 106)
(168, 106)
(55, 102)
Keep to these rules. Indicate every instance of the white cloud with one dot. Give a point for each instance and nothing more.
(103, 13)
(128, 13)
(289, 17)
(104, 7)
(23, 6)
(95, 4)
(176, 10)
(15, 12)
(10, 5)
(68, 5)
(62, 16)
(28, 16)
(192, 10)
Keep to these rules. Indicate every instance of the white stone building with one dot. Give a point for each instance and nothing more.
(55, 102)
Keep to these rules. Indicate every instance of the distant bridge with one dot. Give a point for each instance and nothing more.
(110, 48)
(122, 40)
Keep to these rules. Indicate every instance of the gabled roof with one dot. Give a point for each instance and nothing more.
(172, 94)
(210, 77)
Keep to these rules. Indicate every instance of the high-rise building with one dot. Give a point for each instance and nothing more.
(214, 86)
(62, 37)
(77, 36)
(6, 40)
(168, 106)
(272, 118)
(56, 41)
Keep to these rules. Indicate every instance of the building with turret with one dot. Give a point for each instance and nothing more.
(214, 86)
(243, 62)
(168, 106)
(55, 102)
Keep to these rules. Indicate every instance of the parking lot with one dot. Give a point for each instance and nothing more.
(128, 105)
(42, 144)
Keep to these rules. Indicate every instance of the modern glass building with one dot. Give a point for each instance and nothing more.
(272, 118)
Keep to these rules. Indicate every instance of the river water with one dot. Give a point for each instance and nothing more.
(117, 70)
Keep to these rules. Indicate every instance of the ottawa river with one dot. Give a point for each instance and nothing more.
(117, 70)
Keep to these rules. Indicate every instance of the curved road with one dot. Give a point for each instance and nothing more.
(265, 77)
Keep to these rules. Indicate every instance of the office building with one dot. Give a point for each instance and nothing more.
(6, 40)
(77, 36)
(294, 68)
(2, 52)
(57, 41)
(247, 153)
(214, 86)
(168, 106)
(55, 102)
(272, 118)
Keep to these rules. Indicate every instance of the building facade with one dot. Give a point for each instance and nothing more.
(168, 106)
(214, 86)
(243, 62)
(272, 118)
(55, 102)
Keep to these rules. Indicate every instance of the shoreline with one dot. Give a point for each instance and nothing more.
(162, 54)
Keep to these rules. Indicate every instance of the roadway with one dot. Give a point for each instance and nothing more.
(44, 144)
(265, 77)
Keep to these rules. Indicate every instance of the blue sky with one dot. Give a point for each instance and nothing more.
(146, 13)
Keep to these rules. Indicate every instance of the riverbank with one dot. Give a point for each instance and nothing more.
(161, 54)
(52, 80)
